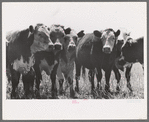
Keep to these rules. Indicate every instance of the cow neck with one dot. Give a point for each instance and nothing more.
(96, 49)
(113, 54)
(48, 56)
(66, 56)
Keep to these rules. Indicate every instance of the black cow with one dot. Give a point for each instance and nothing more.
(20, 49)
(131, 52)
(48, 61)
(98, 50)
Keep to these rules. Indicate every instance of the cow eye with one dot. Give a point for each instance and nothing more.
(39, 35)
(128, 44)
(75, 38)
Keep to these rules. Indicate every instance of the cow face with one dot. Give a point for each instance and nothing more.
(57, 36)
(122, 38)
(42, 40)
(108, 38)
(70, 41)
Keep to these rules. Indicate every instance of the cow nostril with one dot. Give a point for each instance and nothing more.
(58, 46)
(71, 47)
(106, 50)
(121, 41)
(51, 46)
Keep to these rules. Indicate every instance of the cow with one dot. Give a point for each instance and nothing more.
(98, 51)
(131, 52)
(67, 60)
(48, 61)
(20, 49)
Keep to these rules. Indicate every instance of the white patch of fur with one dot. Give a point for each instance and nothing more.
(23, 67)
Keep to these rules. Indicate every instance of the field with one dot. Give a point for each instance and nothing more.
(137, 83)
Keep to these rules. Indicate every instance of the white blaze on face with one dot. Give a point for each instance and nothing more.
(41, 39)
(108, 40)
(23, 67)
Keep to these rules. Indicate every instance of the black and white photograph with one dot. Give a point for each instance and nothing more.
(74, 60)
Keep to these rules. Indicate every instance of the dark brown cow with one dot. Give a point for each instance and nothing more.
(48, 61)
(67, 60)
(20, 49)
(98, 50)
(132, 52)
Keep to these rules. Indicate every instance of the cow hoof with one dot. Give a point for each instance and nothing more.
(77, 89)
(61, 92)
(55, 97)
(130, 93)
(105, 95)
(37, 95)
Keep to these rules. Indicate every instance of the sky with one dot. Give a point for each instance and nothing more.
(87, 16)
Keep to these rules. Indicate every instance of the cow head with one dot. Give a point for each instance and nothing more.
(122, 38)
(70, 40)
(108, 38)
(42, 40)
(57, 36)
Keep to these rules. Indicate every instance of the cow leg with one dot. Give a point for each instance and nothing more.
(61, 81)
(127, 75)
(28, 81)
(53, 79)
(15, 81)
(38, 78)
(91, 74)
(143, 66)
(107, 76)
(70, 81)
(118, 77)
(99, 76)
(78, 70)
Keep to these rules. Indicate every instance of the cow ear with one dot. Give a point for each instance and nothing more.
(97, 33)
(67, 31)
(62, 26)
(81, 33)
(117, 33)
(31, 28)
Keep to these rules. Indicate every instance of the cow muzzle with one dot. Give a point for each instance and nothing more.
(71, 47)
(106, 50)
(58, 46)
(51, 46)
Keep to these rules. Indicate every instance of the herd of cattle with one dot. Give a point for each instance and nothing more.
(59, 52)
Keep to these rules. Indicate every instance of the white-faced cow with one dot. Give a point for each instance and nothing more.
(98, 50)
(131, 52)
(20, 49)
(48, 61)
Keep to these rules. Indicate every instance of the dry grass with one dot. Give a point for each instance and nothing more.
(137, 82)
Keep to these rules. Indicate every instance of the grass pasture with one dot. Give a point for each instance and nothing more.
(137, 83)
